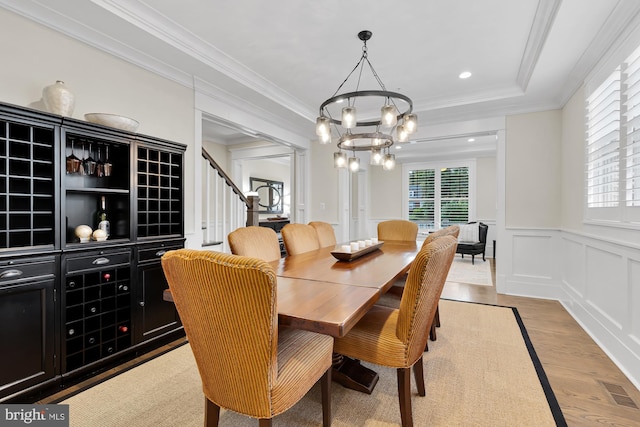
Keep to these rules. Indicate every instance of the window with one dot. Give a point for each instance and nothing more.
(437, 195)
(613, 146)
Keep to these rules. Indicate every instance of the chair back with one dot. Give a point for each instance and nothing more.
(452, 230)
(421, 294)
(256, 242)
(227, 304)
(326, 234)
(397, 229)
(299, 238)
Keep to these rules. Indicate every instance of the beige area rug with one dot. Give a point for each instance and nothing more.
(462, 271)
(481, 371)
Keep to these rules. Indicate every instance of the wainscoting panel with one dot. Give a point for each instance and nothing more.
(607, 286)
(595, 278)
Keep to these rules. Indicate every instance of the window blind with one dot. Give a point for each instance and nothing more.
(632, 119)
(454, 196)
(422, 185)
(603, 143)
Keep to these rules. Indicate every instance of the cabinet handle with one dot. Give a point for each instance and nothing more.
(101, 260)
(161, 252)
(10, 273)
(141, 303)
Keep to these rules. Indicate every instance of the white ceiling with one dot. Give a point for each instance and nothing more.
(282, 58)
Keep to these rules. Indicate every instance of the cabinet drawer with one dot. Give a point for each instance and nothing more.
(98, 260)
(31, 269)
(155, 252)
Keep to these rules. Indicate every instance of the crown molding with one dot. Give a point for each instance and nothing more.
(147, 19)
(545, 15)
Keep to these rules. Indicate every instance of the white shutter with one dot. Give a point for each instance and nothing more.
(454, 196)
(422, 197)
(632, 117)
(603, 143)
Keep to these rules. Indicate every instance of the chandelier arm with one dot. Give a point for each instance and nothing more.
(373, 71)
(347, 78)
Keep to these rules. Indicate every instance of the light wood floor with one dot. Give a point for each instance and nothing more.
(580, 373)
(575, 366)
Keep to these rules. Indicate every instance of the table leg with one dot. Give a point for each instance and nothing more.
(350, 373)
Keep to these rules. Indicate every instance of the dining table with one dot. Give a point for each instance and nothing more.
(319, 292)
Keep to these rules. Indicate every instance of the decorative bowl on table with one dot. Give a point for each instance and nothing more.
(351, 255)
(113, 120)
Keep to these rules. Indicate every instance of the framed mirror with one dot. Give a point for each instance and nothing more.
(270, 193)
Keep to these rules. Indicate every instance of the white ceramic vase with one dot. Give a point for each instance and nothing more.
(58, 99)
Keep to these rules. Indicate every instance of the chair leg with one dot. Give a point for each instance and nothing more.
(437, 316)
(404, 394)
(418, 373)
(325, 386)
(264, 422)
(473, 259)
(211, 413)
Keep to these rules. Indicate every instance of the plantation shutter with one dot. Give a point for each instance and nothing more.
(422, 191)
(454, 196)
(603, 143)
(632, 116)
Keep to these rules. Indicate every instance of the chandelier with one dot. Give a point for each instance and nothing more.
(358, 132)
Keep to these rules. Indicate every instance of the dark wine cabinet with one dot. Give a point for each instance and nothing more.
(69, 306)
(97, 306)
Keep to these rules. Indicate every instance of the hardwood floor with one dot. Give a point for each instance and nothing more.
(590, 388)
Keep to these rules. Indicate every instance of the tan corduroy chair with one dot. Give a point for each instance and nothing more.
(299, 238)
(227, 304)
(397, 229)
(326, 234)
(395, 337)
(392, 299)
(257, 242)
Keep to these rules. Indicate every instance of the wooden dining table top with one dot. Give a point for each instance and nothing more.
(378, 269)
(317, 292)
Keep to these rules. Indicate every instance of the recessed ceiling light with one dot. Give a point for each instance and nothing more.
(465, 75)
(398, 147)
(471, 139)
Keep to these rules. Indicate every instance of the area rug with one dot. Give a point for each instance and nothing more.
(481, 371)
(463, 271)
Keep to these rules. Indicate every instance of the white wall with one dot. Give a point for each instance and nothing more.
(533, 148)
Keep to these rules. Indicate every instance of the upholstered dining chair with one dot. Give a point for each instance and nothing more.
(397, 229)
(254, 241)
(299, 238)
(392, 299)
(326, 234)
(394, 337)
(227, 304)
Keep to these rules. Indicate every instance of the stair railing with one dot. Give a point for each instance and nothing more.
(225, 207)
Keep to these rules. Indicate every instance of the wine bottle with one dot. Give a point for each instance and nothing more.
(103, 221)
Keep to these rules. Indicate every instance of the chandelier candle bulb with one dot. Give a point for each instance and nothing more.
(349, 117)
(340, 160)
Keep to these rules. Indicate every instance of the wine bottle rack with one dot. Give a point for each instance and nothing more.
(27, 203)
(159, 192)
(97, 307)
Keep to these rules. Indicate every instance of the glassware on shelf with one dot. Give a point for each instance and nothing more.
(107, 164)
(99, 165)
(73, 163)
(89, 164)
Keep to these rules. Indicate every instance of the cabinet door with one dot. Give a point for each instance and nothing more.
(159, 192)
(28, 206)
(155, 316)
(27, 316)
